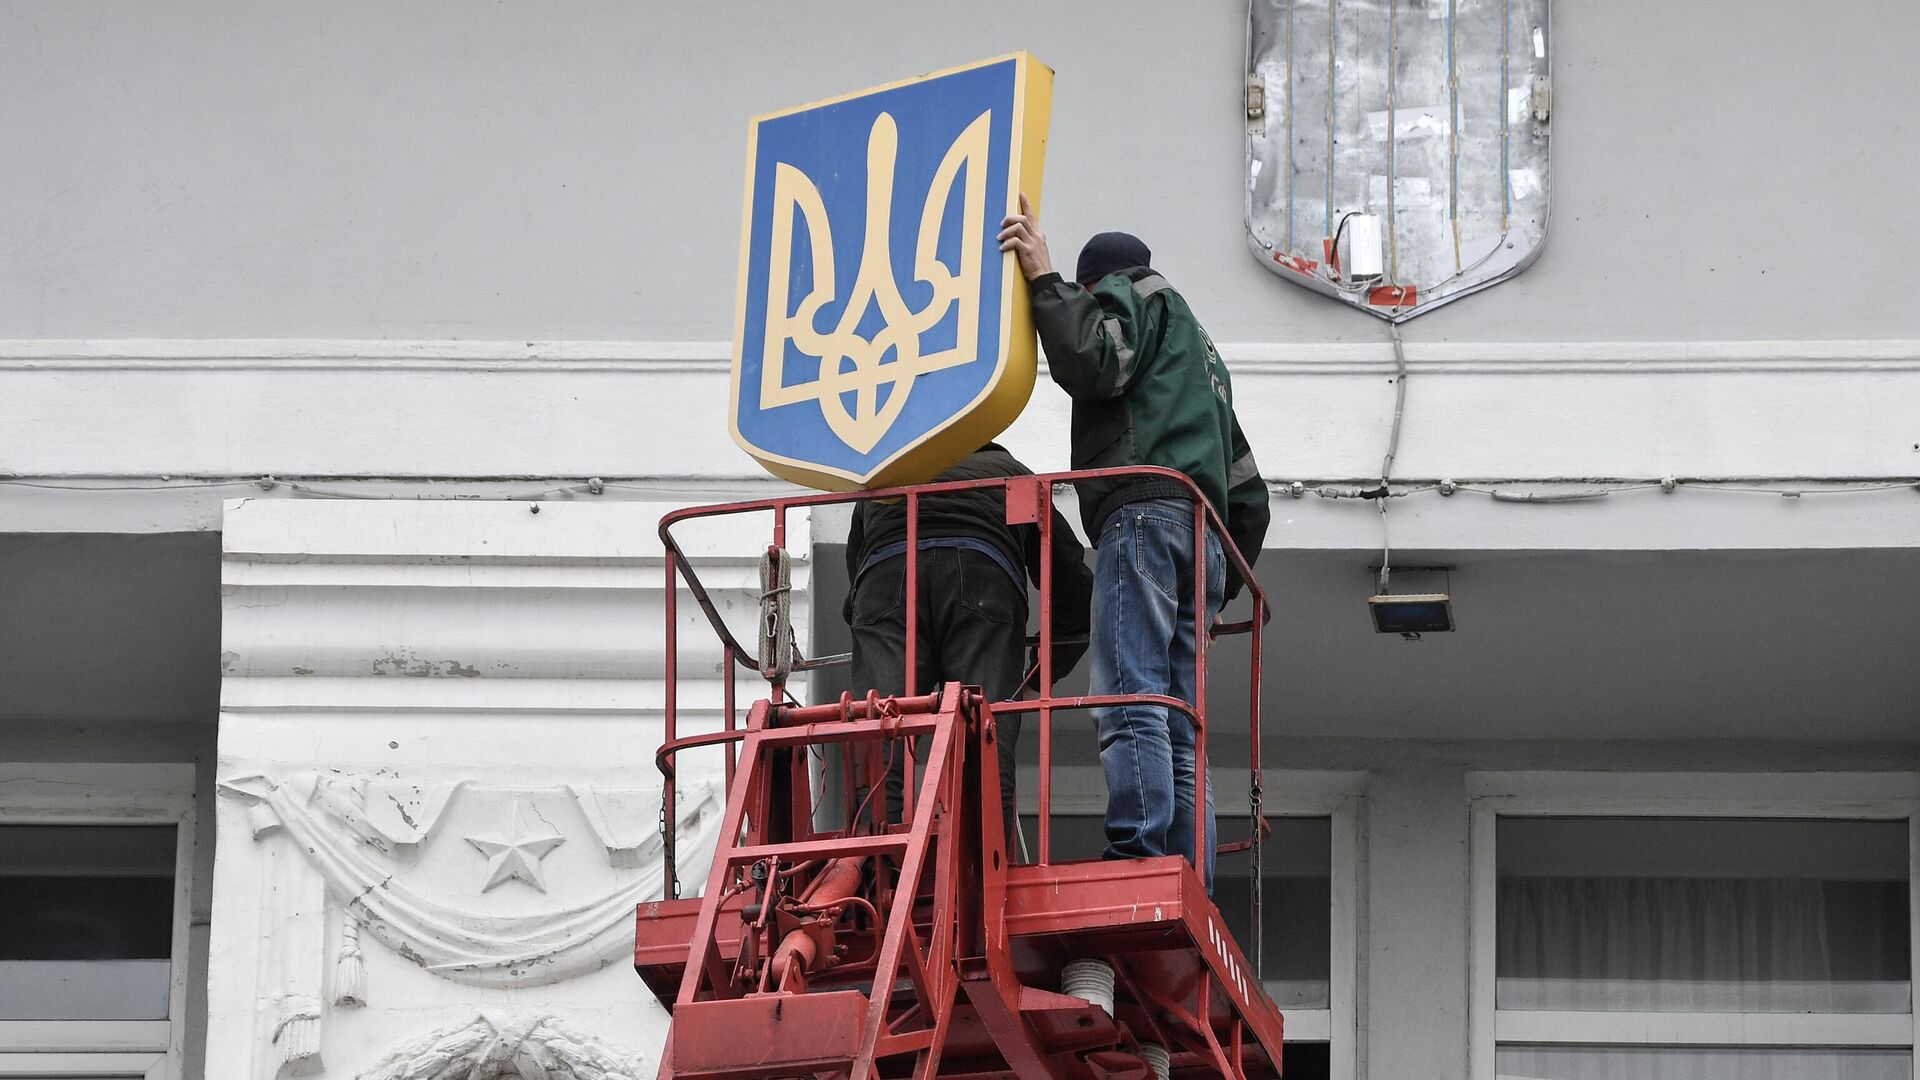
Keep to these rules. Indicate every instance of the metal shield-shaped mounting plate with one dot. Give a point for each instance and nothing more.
(880, 334)
(1397, 149)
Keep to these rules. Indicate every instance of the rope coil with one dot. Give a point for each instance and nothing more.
(776, 647)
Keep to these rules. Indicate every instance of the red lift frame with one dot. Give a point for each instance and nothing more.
(1084, 902)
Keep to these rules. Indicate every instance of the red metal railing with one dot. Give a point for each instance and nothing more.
(1029, 501)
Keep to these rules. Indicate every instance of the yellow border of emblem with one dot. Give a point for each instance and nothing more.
(1006, 394)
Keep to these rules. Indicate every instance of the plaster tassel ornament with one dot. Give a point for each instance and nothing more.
(297, 1037)
(295, 926)
(350, 973)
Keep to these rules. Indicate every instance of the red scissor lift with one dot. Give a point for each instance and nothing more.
(917, 948)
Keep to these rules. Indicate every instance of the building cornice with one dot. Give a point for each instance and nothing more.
(1249, 359)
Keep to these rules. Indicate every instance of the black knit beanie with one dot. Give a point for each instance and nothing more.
(1110, 252)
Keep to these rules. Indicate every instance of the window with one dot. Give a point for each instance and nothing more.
(89, 934)
(1634, 939)
(1309, 873)
(1297, 929)
(1296, 911)
(95, 866)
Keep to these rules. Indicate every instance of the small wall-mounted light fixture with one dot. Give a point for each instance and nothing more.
(1413, 614)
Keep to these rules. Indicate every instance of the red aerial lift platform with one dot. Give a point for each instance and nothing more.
(777, 968)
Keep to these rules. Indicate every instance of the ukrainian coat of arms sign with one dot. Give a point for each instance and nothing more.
(880, 334)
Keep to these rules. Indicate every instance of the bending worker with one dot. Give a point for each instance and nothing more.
(972, 621)
(1148, 388)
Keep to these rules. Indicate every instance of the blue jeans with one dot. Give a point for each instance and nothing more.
(1143, 643)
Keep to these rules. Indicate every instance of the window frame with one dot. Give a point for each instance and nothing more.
(1081, 791)
(42, 793)
(1840, 796)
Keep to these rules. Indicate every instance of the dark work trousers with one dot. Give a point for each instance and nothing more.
(972, 629)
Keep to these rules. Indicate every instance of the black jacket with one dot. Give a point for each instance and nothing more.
(982, 514)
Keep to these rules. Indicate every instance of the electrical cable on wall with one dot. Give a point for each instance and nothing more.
(1833, 485)
(1500, 489)
(591, 486)
(1382, 492)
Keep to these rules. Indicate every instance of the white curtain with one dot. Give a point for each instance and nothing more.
(1702, 945)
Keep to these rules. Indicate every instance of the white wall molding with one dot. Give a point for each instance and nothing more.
(1567, 357)
(360, 354)
(434, 689)
(714, 357)
(474, 410)
(1718, 794)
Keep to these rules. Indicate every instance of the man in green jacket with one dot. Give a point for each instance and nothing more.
(1148, 388)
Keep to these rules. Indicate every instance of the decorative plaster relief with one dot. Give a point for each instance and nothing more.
(449, 876)
(619, 819)
(529, 1048)
(437, 722)
(517, 852)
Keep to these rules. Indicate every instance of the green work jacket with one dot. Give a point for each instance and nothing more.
(1148, 388)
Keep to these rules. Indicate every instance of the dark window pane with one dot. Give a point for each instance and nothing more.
(1296, 907)
(77, 918)
(1305, 1061)
(89, 929)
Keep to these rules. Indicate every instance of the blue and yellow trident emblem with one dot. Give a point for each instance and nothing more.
(881, 335)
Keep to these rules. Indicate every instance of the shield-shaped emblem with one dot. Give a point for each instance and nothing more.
(880, 334)
(1397, 150)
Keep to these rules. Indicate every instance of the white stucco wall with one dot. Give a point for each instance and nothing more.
(482, 242)
(214, 168)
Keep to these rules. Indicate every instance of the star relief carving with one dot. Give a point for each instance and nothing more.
(518, 853)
